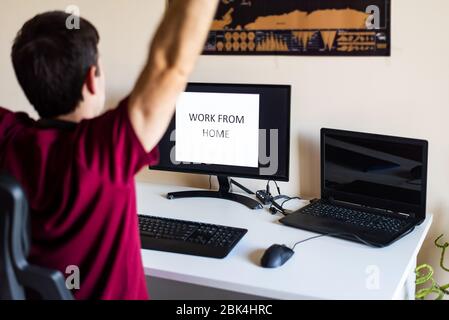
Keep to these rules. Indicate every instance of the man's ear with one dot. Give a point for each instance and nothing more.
(91, 83)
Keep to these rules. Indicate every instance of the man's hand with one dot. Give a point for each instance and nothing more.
(175, 49)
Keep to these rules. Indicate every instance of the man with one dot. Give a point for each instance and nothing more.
(77, 167)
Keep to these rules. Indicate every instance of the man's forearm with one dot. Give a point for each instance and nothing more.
(181, 36)
(176, 47)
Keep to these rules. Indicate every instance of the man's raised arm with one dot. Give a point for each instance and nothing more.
(175, 49)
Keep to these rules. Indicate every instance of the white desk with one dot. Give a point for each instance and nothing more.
(325, 268)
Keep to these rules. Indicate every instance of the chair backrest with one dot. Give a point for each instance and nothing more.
(16, 274)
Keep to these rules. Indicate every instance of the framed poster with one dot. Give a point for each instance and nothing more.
(301, 27)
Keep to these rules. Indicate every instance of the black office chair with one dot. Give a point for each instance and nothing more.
(17, 276)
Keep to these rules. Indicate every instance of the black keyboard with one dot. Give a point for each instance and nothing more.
(187, 237)
(356, 217)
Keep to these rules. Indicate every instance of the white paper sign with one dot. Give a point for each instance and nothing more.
(218, 128)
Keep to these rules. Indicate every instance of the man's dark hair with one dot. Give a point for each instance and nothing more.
(52, 61)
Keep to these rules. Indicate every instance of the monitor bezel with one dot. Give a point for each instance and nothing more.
(417, 211)
(281, 178)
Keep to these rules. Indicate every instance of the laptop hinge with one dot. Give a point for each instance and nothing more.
(406, 215)
(378, 210)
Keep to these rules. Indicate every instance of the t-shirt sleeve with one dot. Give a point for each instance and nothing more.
(109, 146)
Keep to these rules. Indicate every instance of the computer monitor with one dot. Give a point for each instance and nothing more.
(229, 130)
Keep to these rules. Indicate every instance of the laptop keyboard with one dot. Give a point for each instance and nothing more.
(355, 217)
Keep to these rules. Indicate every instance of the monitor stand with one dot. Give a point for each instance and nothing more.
(224, 193)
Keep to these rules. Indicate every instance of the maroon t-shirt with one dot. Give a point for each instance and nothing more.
(79, 180)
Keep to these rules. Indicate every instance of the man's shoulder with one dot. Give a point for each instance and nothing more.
(5, 116)
(4, 111)
(110, 118)
(10, 119)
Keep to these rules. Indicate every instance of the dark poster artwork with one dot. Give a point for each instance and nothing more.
(301, 27)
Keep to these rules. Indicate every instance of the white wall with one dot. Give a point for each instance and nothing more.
(406, 94)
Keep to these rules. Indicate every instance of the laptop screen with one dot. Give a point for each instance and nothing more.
(377, 171)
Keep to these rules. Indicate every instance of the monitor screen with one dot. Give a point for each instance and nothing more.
(368, 169)
(230, 130)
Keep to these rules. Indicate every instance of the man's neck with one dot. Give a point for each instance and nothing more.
(72, 117)
(76, 116)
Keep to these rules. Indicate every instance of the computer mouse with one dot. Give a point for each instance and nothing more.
(276, 256)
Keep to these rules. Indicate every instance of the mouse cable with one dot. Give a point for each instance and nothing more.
(338, 234)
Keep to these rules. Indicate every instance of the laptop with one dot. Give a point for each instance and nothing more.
(373, 188)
